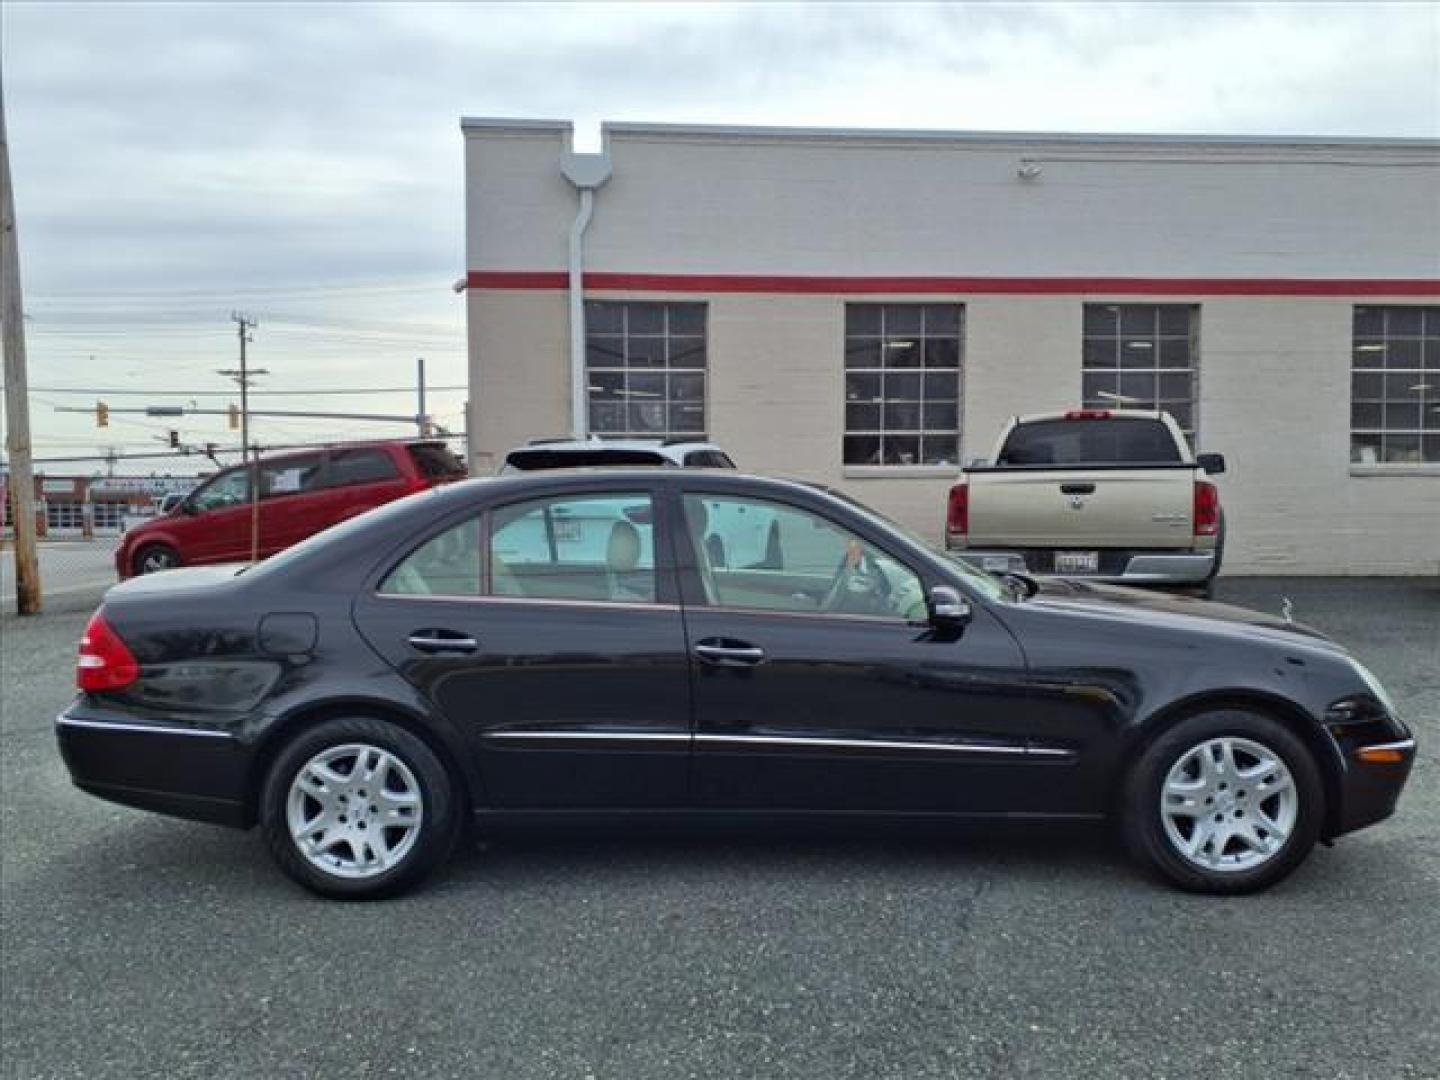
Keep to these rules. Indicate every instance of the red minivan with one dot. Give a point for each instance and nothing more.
(300, 494)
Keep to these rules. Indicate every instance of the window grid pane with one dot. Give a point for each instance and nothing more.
(902, 384)
(1142, 356)
(645, 367)
(1395, 385)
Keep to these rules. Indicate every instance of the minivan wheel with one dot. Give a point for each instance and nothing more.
(1227, 801)
(358, 809)
(155, 557)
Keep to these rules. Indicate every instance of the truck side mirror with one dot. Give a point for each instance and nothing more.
(1211, 463)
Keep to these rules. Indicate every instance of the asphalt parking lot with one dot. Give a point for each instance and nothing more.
(139, 946)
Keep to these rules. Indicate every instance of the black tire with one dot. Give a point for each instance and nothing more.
(1143, 822)
(440, 817)
(152, 553)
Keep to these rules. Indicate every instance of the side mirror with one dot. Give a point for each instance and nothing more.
(1211, 463)
(948, 607)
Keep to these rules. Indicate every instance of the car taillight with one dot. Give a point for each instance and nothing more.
(1088, 414)
(1207, 509)
(106, 662)
(957, 514)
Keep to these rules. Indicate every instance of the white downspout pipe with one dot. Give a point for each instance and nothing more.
(579, 398)
(588, 172)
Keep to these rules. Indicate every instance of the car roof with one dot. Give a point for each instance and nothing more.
(665, 447)
(1112, 414)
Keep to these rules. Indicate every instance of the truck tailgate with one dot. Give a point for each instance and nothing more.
(1084, 508)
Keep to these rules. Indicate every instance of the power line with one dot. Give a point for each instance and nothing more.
(172, 392)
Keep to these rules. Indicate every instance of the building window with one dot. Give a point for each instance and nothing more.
(902, 384)
(645, 368)
(1142, 356)
(1395, 386)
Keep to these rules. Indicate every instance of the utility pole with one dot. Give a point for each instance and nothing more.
(243, 325)
(17, 395)
(421, 420)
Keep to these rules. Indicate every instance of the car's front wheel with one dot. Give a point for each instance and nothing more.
(1227, 801)
(156, 557)
(358, 809)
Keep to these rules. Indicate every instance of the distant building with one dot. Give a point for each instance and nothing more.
(866, 308)
(61, 502)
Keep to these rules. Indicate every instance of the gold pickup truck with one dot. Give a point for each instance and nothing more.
(1107, 495)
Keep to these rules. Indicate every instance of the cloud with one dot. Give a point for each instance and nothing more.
(172, 160)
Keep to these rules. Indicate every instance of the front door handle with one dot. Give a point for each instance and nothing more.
(442, 641)
(729, 653)
(1077, 489)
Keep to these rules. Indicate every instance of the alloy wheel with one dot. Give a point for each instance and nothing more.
(354, 811)
(1229, 804)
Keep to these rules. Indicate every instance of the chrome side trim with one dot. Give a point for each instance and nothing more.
(590, 736)
(141, 729)
(885, 744)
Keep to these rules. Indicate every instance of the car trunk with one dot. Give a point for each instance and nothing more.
(1145, 507)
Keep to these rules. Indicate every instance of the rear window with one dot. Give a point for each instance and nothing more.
(541, 458)
(436, 462)
(708, 459)
(1090, 442)
(367, 466)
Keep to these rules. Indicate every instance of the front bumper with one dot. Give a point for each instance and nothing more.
(1120, 566)
(167, 767)
(1371, 784)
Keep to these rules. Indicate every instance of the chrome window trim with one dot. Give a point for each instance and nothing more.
(141, 729)
(536, 601)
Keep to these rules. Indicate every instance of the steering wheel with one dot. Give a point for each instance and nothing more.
(859, 587)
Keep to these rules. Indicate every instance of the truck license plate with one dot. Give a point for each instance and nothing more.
(1077, 562)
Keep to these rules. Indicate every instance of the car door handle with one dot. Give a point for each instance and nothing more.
(1077, 489)
(441, 641)
(729, 654)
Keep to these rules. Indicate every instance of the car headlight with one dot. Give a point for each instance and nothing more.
(1373, 685)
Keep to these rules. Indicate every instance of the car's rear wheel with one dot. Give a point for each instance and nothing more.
(1227, 801)
(358, 809)
(155, 557)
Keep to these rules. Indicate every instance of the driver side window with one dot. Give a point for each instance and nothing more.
(227, 489)
(770, 556)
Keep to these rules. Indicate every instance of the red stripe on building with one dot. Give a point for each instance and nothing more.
(1015, 286)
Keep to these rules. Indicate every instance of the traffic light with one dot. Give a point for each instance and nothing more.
(174, 439)
(234, 417)
(102, 414)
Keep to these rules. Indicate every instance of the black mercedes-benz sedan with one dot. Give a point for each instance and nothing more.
(615, 646)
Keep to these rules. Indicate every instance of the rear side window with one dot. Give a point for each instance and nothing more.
(708, 459)
(435, 461)
(290, 476)
(445, 565)
(1090, 442)
(540, 458)
(575, 547)
(360, 466)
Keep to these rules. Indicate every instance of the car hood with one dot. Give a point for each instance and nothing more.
(1169, 609)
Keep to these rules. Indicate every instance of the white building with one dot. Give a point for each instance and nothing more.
(866, 308)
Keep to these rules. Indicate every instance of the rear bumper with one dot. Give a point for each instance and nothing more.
(182, 770)
(1127, 567)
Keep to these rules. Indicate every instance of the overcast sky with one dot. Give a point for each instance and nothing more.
(303, 162)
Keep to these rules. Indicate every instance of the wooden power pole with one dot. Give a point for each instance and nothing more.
(17, 396)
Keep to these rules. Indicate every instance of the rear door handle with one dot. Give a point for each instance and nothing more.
(442, 641)
(1077, 489)
(729, 653)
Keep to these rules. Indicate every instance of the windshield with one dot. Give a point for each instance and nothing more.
(987, 585)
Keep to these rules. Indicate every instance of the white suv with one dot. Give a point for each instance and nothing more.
(588, 453)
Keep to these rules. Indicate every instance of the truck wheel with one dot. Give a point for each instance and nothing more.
(1228, 801)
